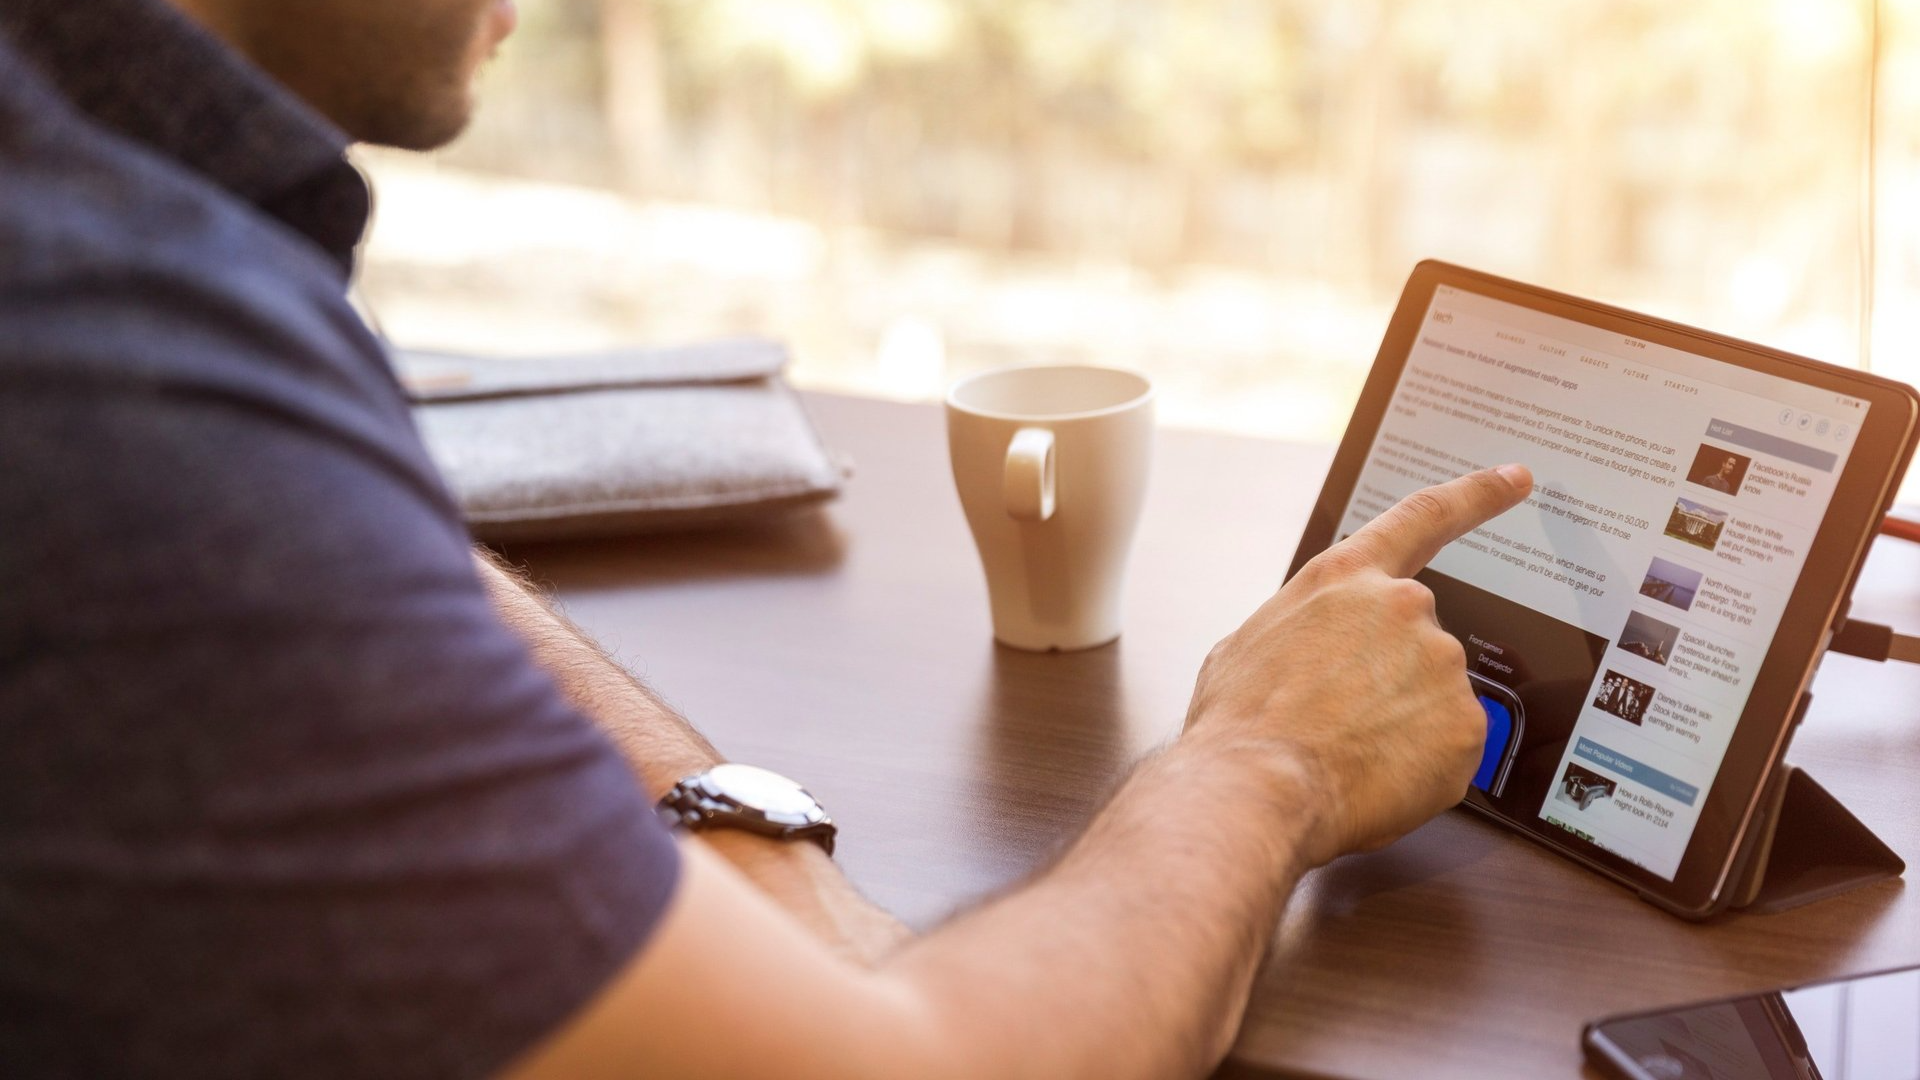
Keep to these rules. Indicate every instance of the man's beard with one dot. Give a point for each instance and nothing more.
(383, 77)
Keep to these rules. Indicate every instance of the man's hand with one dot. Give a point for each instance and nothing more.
(1345, 679)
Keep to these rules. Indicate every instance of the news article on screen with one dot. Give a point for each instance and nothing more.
(1674, 502)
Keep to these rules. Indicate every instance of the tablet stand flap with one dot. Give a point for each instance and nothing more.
(1807, 847)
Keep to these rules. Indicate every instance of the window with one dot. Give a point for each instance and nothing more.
(1225, 194)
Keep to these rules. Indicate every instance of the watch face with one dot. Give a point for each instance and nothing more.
(762, 790)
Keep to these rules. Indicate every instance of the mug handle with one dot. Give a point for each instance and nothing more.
(1028, 483)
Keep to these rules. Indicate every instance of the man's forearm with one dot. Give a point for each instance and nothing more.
(662, 749)
(1130, 959)
(1148, 932)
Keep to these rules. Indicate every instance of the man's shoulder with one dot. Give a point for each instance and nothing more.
(143, 304)
(109, 243)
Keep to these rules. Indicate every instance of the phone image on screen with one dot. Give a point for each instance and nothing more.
(1863, 1028)
(1506, 721)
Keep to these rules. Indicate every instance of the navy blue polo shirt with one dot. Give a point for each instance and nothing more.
(279, 795)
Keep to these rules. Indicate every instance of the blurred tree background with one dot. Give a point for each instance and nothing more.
(1224, 193)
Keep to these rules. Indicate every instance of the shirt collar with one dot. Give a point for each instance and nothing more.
(147, 71)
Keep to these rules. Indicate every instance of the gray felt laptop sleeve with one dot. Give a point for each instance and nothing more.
(626, 441)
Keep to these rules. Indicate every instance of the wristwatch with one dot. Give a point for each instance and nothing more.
(746, 797)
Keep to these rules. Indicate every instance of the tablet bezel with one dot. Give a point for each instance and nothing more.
(1863, 494)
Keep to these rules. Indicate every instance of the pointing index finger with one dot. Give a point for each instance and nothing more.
(1412, 531)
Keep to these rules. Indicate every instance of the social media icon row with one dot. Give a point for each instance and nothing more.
(1819, 425)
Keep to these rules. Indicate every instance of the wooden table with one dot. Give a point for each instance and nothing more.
(851, 648)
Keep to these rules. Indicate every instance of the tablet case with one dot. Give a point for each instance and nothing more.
(624, 441)
(1803, 845)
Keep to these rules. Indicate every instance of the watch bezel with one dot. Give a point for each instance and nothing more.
(704, 800)
(712, 785)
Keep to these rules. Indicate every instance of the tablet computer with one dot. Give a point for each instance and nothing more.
(1642, 629)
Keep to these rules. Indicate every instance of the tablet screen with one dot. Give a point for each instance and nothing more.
(1617, 620)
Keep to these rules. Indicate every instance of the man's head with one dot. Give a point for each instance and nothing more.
(1727, 467)
(392, 72)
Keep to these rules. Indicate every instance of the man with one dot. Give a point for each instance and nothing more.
(293, 785)
(1723, 481)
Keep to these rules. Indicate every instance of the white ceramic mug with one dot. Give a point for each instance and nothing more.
(1051, 464)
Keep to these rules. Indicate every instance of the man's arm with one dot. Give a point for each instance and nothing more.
(1336, 719)
(662, 749)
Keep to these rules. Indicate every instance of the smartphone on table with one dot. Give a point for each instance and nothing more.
(1866, 1027)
